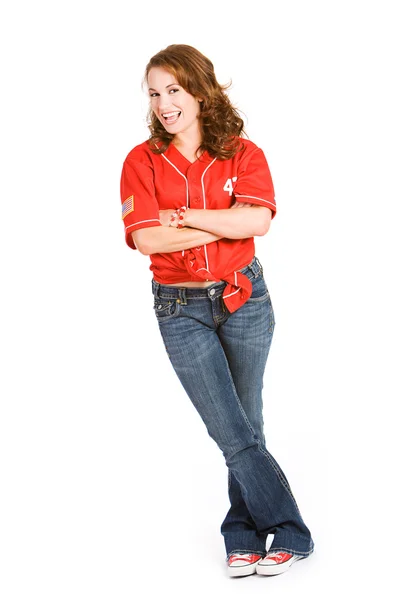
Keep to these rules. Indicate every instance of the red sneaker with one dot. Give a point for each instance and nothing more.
(275, 563)
(242, 563)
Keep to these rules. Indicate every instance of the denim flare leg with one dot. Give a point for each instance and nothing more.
(220, 359)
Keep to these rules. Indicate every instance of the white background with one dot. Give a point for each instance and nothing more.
(110, 483)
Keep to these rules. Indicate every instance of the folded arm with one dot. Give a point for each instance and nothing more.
(203, 227)
(154, 240)
(247, 221)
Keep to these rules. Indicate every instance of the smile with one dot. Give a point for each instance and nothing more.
(171, 117)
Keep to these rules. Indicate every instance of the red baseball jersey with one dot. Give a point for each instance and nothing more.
(153, 182)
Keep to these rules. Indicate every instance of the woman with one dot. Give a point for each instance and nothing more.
(193, 197)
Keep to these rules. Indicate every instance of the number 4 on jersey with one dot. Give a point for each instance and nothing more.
(228, 187)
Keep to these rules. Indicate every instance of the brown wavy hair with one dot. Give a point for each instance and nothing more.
(220, 123)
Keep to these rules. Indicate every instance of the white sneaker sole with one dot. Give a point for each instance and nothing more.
(273, 569)
(243, 570)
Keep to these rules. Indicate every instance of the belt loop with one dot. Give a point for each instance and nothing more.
(259, 265)
(253, 267)
(182, 296)
(156, 287)
(256, 267)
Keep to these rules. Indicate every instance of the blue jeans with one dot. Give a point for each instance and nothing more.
(220, 359)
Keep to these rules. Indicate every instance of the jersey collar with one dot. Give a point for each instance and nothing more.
(183, 164)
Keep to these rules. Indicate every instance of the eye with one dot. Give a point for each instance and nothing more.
(154, 94)
(173, 90)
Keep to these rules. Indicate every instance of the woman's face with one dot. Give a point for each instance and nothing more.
(176, 109)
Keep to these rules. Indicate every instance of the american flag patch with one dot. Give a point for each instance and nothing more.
(127, 206)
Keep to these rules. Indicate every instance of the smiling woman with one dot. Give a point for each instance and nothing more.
(193, 197)
(176, 109)
(220, 125)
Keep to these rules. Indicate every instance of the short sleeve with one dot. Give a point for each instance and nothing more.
(254, 183)
(139, 204)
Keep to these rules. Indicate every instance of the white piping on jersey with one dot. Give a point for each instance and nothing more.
(204, 205)
(202, 181)
(233, 293)
(206, 255)
(255, 198)
(139, 222)
(187, 195)
(186, 181)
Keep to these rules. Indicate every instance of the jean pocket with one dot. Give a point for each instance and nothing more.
(260, 291)
(165, 309)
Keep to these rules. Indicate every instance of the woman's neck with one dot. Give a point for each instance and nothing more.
(188, 141)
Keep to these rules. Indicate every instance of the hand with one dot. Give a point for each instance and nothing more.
(241, 205)
(165, 217)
